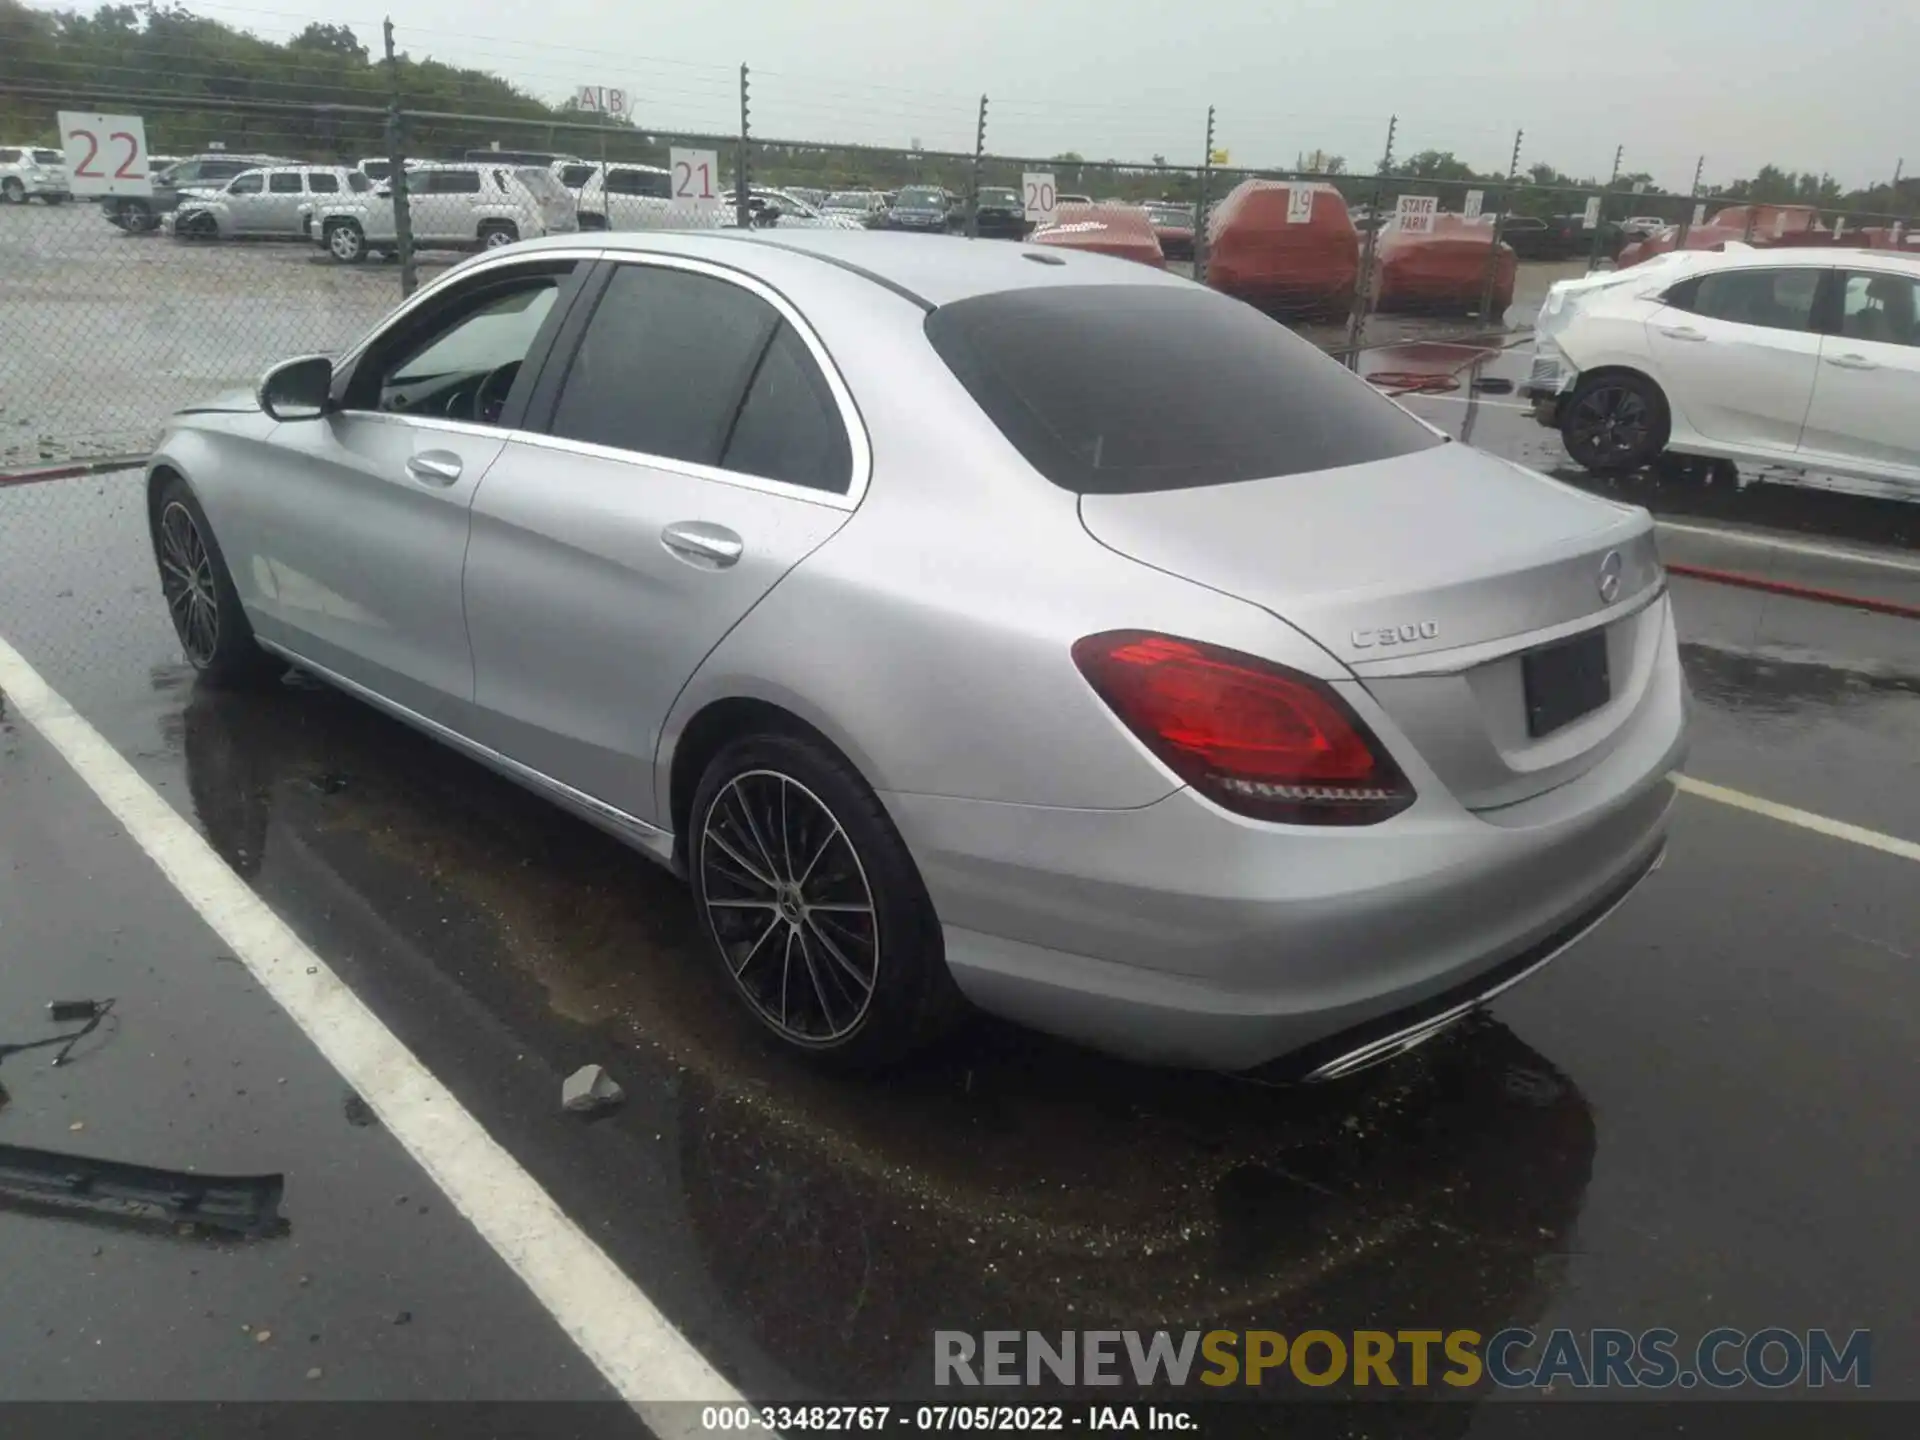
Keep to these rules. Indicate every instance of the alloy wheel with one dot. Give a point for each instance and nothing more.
(186, 579)
(344, 241)
(789, 904)
(1609, 422)
(498, 239)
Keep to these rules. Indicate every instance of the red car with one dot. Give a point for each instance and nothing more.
(1261, 249)
(1445, 270)
(1117, 230)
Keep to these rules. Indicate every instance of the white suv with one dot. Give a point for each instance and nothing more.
(30, 170)
(272, 203)
(452, 207)
(636, 197)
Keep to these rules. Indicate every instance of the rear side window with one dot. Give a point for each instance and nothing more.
(663, 364)
(1119, 389)
(789, 428)
(574, 176)
(49, 157)
(1881, 307)
(1777, 299)
(283, 184)
(638, 182)
(357, 182)
(9, 157)
(453, 182)
(324, 184)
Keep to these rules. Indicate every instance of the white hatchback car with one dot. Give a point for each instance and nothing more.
(1804, 358)
(451, 207)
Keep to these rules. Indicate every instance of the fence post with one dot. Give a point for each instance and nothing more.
(742, 211)
(1357, 320)
(1493, 250)
(1200, 207)
(973, 187)
(1600, 221)
(397, 181)
(1693, 198)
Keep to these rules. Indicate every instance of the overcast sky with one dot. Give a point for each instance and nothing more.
(1821, 87)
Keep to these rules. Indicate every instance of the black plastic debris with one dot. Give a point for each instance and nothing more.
(50, 1181)
(64, 1012)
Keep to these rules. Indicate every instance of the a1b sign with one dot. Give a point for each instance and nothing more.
(106, 154)
(696, 179)
(1300, 205)
(1413, 215)
(1040, 195)
(1470, 207)
(1590, 219)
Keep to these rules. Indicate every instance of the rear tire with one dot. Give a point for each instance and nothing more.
(346, 241)
(1614, 422)
(137, 218)
(813, 906)
(496, 234)
(201, 601)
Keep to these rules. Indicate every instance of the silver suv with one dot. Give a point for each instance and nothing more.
(27, 171)
(275, 203)
(452, 207)
(198, 175)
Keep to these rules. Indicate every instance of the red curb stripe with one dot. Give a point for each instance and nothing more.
(71, 472)
(1798, 592)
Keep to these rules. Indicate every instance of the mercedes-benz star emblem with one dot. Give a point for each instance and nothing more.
(1610, 569)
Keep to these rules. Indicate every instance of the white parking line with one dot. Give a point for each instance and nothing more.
(1796, 547)
(638, 1350)
(1805, 819)
(1465, 400)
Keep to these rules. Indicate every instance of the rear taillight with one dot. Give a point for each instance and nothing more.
(1252, 736)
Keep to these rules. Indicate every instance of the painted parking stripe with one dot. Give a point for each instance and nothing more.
(1805, 819)
(640, 1352)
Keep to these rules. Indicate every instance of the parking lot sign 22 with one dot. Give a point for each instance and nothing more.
(1413, 215)
(1040, 195)
(696, 178)
(106, 154)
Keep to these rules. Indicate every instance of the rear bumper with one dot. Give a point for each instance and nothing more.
(1177, 934)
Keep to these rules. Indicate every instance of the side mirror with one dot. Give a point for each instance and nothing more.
(297, 389)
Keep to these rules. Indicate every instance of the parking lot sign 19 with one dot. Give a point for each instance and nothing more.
(1413, 215)
(106, 154)
(1040, 195)
(1300, 205)
(696, 179)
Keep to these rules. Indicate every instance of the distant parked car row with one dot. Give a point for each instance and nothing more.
(31, 172)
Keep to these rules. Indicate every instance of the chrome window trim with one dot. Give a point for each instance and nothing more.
(650, 839)
(829, 499)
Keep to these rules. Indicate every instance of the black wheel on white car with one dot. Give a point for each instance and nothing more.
(1615, 421)
(813, 905)
(346, 241)
(197, 226)
(497, 233)
(201, 601)
(12, 191)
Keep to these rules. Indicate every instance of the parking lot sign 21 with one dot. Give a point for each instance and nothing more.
(1038, 190)
(696, 178)
(106, 154)
(1413, 215)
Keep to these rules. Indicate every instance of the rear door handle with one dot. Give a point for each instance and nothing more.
(711, 547)
(1852, 362)
(435, 467)
(1681, 332)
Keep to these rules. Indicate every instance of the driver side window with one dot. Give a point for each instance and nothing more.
(248, 184)
(460, 363)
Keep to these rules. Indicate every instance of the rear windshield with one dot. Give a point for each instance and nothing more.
(1119, 389)
(916, 195)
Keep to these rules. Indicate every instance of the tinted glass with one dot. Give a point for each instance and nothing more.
(377, 169)
(247, 185)
(789, 428)
(574, 176)
(1007, 198)
(324, 184)
(662, 364)
(922, 197)
(638, 182)
(1776, 299)
(453, 182)
(9, 157)
(438, 370)
(1882, 308)
(1228, 395)
(283, 184)
(49, 157)
(358, 183)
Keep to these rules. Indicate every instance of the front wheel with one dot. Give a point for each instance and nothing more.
(1615, 422)
(13, 192)
(201, 601)
(346, 242)
(813, 906)
(494, 237)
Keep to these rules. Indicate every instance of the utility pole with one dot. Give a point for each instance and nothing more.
(979, 154)
(1600, 222)
(1357, 319)
(742, 178)
(1200, 208)
(1493, 249)
(1693, 198)
(397, 159)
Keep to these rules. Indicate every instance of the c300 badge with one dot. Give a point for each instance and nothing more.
(1396, 635)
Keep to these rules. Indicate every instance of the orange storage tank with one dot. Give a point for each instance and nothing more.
(1445, 270)
(1117, 230)
(1306, 267)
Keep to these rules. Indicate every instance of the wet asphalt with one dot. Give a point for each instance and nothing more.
(1700, 1116)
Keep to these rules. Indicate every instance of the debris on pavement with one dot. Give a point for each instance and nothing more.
(589, 1090)
(63, 1184)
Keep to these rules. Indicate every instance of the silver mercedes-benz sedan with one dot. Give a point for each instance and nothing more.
(1209, 711)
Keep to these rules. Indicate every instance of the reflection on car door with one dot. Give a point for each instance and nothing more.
(1866, 399)
(695, 451)
(1737, 351)
(246, 198)
(279, 212)
(355, 560)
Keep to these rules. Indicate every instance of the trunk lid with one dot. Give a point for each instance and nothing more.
(1429, 575)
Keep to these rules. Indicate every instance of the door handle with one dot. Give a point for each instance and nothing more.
(1681, 332)
(711, 547)
(1852, 362)
(435, 467)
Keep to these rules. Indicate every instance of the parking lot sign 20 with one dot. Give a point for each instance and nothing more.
(106, 154)
(1038, 189)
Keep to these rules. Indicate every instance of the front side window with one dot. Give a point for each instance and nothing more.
(1232, 395)
(1882, 308)
(1776, 299)
(461, 363)
(250, 184)
(284, 183)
